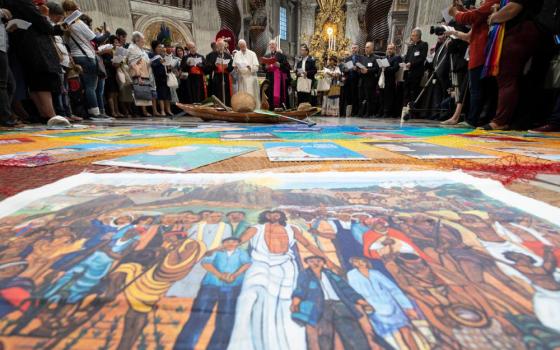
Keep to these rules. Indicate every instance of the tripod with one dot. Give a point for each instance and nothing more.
(454, 79)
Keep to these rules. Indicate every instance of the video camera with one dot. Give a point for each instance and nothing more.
(437, 30)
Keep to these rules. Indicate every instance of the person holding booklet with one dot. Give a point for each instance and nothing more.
(306, 69)
(6, 78)
(246, 64)
(369, 78)
(79, 38)
(331, 100)
(277, 68)
(351, 79)
(390, 67)
(159, 70)
(193, 66)
(221, 64)
(35, 51)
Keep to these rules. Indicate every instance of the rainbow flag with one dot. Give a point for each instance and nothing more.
(494, 47)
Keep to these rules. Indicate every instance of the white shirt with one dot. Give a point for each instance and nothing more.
(3, 36)
(328, 290)
(81, 35)
(63, 51)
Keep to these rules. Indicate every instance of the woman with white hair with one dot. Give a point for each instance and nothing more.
(246, 65)
(139, 71)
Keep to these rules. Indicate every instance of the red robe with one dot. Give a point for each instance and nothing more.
(371, 237)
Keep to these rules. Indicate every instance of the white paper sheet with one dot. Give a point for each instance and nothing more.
(19, 23)
(73, 17)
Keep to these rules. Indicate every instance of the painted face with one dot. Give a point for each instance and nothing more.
(316, 263)
(192, 218)
(275, 217)
(231, 245)
(344, 217)
(215, 218)
(359, 263)
(123, 220)
(169, 220)
(236, 217)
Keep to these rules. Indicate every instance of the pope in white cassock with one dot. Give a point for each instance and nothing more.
(247, 65)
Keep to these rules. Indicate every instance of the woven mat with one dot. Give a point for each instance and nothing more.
(506, 168)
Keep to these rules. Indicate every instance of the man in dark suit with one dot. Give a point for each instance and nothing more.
(414, 59)
(389, 93)
(326, 304)
(306, 68)
(351, 79)
(369, 78)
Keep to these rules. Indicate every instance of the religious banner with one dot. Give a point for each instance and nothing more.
(384, 260)
(178, 159)
(309, 151)
(423, 150)
(248, 136)
(60, 154)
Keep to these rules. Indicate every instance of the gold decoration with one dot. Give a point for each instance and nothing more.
(330, 18)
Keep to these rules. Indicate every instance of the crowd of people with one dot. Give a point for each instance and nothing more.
(58, 67)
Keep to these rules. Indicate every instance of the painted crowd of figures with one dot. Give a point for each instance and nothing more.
(295, 278)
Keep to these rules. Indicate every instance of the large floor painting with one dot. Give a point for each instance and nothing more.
(424, 260)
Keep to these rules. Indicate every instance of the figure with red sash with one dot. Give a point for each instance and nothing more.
(278, 74)
(383, 240)
(221, 64)
(193, 64)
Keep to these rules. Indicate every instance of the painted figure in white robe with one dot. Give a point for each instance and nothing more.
(246, 65)
(263, 318)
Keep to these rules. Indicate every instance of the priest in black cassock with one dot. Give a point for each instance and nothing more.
(278, 74)
(220, 63)
(194, 64)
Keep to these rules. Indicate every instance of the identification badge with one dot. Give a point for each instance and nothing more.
(417, 53)
(370, 64)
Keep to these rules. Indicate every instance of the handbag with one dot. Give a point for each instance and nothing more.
(334, 91)
(142, 91)
(382, 80)
(304, 85)
(172, 81)
(123, 78)
(101, 71)
(552, 80)
(323, 85)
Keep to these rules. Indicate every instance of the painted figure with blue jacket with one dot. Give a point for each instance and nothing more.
(221, 285)
(328, 306)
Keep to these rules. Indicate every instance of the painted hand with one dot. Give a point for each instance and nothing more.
(295, 305)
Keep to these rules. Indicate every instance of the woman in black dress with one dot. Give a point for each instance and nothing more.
(35, 51)
(160, 76)
(111, 84)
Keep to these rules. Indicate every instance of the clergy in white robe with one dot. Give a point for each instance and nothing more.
(247, 65)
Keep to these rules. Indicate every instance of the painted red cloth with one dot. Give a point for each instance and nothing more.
(537, 247)
(371, 237)
(16, 296)
(478, 19)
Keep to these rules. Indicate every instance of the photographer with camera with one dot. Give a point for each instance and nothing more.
(478, 39)
(414, 66)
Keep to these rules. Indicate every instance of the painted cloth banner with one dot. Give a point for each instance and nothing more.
(384, 260)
